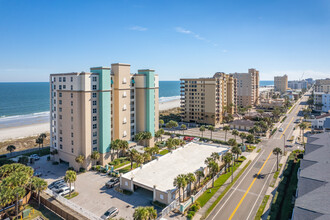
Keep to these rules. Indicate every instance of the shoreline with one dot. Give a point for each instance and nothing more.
(27, 127)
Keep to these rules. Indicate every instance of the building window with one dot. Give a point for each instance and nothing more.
(124, 94)
(64, 86)
(60, 79)
(94, 118)
(60, 102)
(94, 148)
(71, 111)
(94, 141)
(60, 87)
(64, 79)
(94, 133)
(71, 87)
(61, 139)
(124, 134)
(124, 80)
(161, 196)
(60, 116)
(61, 146)
(94, 102)
(94, 110)
(60, 109)
(71, 79)
(124, 107)
(72, 142)
(94, 126)
(125, 120)
(60, 131)
(71, 103)
(94, 87)
(54, 94)
(71, 134)
(94, 78)
(71, 95)
(94, 94)
(72, 150)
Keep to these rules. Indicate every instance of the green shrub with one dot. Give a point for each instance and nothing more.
(189, 216)
(82, 170)
(242, 157)
(56, 163)
(98, 167)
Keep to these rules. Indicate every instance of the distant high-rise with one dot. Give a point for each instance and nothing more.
(247, 88)
(281, 83)
(205, 100)
(88, 110)
(298, 84)
(322, 85)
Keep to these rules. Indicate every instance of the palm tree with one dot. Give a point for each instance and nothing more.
(11, 148)
(302, 127)
(235, 133)
(250, 138)
(171, 124)
(226, 129)
(236, 150)
(202, 129)
(39, 141)
(242, 136)
(43, 136)
(190, 178)
(70, 177)
(145, 213)
(211, 128)
(214, 169)
(161, 131)
(158, 135)
(199, 174)
(123, 144)
(169, 144)
(95, 156)
(115, 145)
(139, 159)
(146, 156)
(161, 122)
(38, 185)
(183, 127)
(18, 193)
(180, 182)
(215, 156)
(139, 137)
(132, 153)
(277, 151)
(80, 159)
(232, 142)
(147, 136)
(227, 158)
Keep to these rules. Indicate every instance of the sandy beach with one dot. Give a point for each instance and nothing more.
(169, 104)
(23, 131)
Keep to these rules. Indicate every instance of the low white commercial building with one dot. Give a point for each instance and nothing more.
(322, 101)
(158, 175)
(318, 122)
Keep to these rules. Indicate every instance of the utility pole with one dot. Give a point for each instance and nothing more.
(283, 144)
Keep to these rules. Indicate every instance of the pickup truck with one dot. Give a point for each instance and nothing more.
(111, 183)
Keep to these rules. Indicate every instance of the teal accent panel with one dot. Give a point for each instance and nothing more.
(150, 100)
(104, 103)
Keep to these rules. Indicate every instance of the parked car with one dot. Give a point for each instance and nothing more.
(56, 183)
(37, 174)
(196, 139)
(35, 156)
(111, 183)
(65, 190)
(297, 121)
(59, 186)
(281, 129)
(112, 212)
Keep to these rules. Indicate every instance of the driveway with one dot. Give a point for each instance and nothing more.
(96, 198)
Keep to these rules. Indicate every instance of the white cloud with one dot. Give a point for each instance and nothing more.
(138, 28)
(185, 31)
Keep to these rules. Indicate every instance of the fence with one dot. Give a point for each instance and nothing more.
(72, 205)
(18, 153)
(169, 208)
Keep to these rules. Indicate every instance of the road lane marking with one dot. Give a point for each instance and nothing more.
(261, 192)
(286, 128)
(247, 191)
(246, 173)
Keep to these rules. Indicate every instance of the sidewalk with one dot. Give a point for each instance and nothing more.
(249, 156)
(272, 190)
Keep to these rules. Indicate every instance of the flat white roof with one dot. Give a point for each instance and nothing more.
(183, 160)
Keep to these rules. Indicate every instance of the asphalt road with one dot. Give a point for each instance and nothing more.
(244, 198)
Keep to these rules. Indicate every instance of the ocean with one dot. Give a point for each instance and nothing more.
(28, 103)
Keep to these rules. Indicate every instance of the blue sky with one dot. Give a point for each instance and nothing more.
(176, 38)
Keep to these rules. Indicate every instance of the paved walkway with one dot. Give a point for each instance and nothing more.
(249, 156)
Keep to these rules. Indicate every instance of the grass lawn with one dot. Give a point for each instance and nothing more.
(163, 152)
(258, 150)
(276, 175)
(206, 196)
(42, 211)
(122, 164)
(127, 169)
(73, 194)
(226, 190)
(261, 208)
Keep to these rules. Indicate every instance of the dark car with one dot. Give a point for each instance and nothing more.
(112, 212)
(111, 183)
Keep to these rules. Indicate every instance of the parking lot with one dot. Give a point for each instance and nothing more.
(96, 198)
(48, 171)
